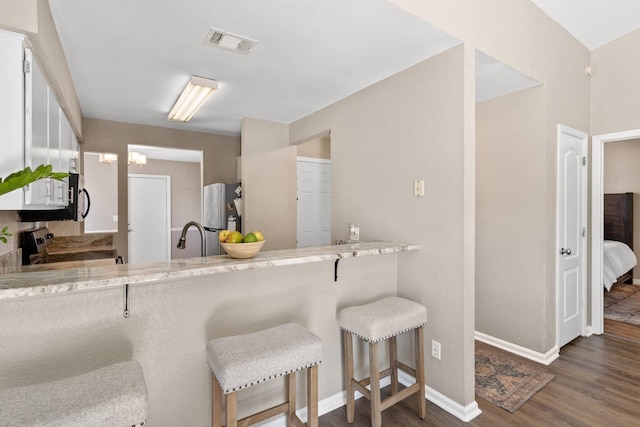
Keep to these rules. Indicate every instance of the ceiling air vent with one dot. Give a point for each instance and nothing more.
(225, 40)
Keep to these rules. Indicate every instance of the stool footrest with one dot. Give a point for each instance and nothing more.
(401, 395)
(405, 368)
(263, 415)
(362, 388)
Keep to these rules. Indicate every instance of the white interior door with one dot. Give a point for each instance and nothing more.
(571, 234)
(314, 202)
(149, 218)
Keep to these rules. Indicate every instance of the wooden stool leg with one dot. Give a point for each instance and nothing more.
(312, 396)
(348, 375)
(216, 415)
(232, 410)
(393, 358)
(376, 412)
(422, 403)
(291, 397)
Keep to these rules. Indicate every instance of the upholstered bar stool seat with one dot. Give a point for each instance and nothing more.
(242, 361)
(375, 322)
(115, 396)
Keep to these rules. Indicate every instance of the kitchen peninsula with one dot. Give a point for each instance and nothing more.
(65, 322)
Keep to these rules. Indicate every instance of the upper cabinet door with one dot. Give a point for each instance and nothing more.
(36, 130)
(11, 113)
(59, 150)
(69, 146)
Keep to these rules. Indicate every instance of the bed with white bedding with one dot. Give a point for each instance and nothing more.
(618, 256)
(617, 260)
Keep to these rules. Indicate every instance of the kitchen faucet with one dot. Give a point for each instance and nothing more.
(182, 243)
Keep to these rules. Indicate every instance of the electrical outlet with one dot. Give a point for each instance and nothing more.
(115, 218)
(435, 349)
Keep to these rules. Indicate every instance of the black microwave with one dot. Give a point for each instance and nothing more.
(76, 210)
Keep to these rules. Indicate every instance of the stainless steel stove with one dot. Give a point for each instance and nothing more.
(34, 243)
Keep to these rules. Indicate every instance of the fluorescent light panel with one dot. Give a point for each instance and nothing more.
(193, 96)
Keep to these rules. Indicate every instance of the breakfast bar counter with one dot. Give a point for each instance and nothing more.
(78, 276)
(60, 323)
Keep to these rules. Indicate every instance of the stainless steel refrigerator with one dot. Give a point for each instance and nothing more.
(222, 211)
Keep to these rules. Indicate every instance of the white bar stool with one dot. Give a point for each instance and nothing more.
(115, 396)
(242, 361)
(378, 321)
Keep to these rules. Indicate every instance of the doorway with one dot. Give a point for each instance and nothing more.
(313, 166)
(597, 221)
(314, 202)
(149, 218)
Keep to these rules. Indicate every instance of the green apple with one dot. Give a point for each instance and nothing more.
(258, 235)
(250, 238)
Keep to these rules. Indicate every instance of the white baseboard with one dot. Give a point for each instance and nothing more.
(636, 281)
(544, 358)
(464, 413)
(588, 331)
(338, 400)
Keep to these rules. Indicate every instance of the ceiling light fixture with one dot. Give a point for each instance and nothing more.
(193, 96)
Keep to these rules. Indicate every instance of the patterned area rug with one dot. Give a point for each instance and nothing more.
(506, 381)
(622, 303)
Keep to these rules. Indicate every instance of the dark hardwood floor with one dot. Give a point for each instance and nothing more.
(597, 384)
(622, 330)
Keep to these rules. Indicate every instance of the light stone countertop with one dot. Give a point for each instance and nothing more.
(91, 277)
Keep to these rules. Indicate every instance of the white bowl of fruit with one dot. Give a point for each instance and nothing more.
(238, 246)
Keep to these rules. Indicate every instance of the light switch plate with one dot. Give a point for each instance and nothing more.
(418, 188)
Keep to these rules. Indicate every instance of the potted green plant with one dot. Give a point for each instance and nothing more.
(23, 178)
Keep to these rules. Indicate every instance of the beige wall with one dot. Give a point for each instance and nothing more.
(518, 34)
(510, 207)
(622, 175)
(615, 88)
(411, 126)
(269, 182)
(101, 181)
(19, 15)
(317, 148)
(219, 156)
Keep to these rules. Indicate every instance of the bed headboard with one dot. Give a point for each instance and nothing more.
(618, 217)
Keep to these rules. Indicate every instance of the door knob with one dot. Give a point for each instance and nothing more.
(564, 251)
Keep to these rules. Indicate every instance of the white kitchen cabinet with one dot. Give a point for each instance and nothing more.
(59, 149)
(69, 140)
(37, 131)
(35, 128)
(48, 138)
(11, 113)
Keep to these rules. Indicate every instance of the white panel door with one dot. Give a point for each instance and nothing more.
(571, 234)
(149, 218)
(314, 202)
